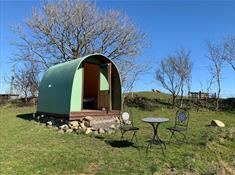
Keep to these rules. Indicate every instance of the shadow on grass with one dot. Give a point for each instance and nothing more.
(100, 137)
(119, 143)
(28, 116)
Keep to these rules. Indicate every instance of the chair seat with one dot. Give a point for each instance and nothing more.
(128, 128)
(177, 129)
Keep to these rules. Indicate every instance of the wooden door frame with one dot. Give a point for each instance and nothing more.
(109, 68)
(82, 87)
(110, 85)
(83, 75)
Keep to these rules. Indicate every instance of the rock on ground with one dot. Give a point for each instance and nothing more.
(69, 130)
(113, 126)
(101, 131)
(88, 131)
(64, 127)
(49, 123)
(109, 130)
(217, 123)
(74, 123)
(82, 125)
(89, 118)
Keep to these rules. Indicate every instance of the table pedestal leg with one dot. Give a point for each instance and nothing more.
(156, 139)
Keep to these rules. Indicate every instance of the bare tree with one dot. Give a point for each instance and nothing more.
(208, 84)
(168, 77)
(175, 72)
(215, 55)
(130, 73)
(229, 50)
(189, 84)
(69, 29)
(26, 81)
(207, 88)
(183, 67)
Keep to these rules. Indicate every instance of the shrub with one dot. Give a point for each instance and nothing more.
(141, 102)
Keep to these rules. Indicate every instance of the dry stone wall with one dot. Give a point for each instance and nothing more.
(86, 125)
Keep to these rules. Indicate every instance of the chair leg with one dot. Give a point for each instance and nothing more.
(133, 136)
(185, 138)
(175, 136)
(162, 142)
(162, 147)
(122, 137)
(136, 138)
(172, 133)
(147, 148)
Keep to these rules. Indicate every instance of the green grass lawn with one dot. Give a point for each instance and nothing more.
(28, 147)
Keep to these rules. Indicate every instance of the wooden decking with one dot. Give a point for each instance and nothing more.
(82, 114)
(93, 113)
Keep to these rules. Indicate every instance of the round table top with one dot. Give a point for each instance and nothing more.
(155, 119)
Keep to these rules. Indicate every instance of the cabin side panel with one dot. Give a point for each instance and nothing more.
(55, 90)
(116, 90)
(104, 83)
(76, 96)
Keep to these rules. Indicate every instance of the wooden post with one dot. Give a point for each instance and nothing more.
(110, 85)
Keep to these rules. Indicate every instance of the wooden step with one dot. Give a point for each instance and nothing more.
(102, 122)
(93, 113)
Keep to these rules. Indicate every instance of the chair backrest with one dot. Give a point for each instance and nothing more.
(126, 118)
(182, 118)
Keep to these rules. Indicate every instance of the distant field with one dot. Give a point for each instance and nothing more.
(227, 104)
(28, 147)
(152, 95)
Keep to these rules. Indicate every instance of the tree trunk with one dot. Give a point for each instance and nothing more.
(132, 94)
(217, 104)
(181, 95)
(173, 99)
(25, 97)
(26, 100)
(218, 96)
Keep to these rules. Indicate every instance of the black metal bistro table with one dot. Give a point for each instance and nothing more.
(155, 121)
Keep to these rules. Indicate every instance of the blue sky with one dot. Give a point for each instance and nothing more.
(169, 25)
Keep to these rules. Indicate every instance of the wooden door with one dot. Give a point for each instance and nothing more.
(91, 78)
(105, 95)
(104, 100)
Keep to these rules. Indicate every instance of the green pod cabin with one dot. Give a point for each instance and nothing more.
(87, 86)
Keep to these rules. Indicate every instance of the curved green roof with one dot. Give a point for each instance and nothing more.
(56, 86)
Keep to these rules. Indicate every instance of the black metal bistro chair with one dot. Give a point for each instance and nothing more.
(127, 126)
(181, 124)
